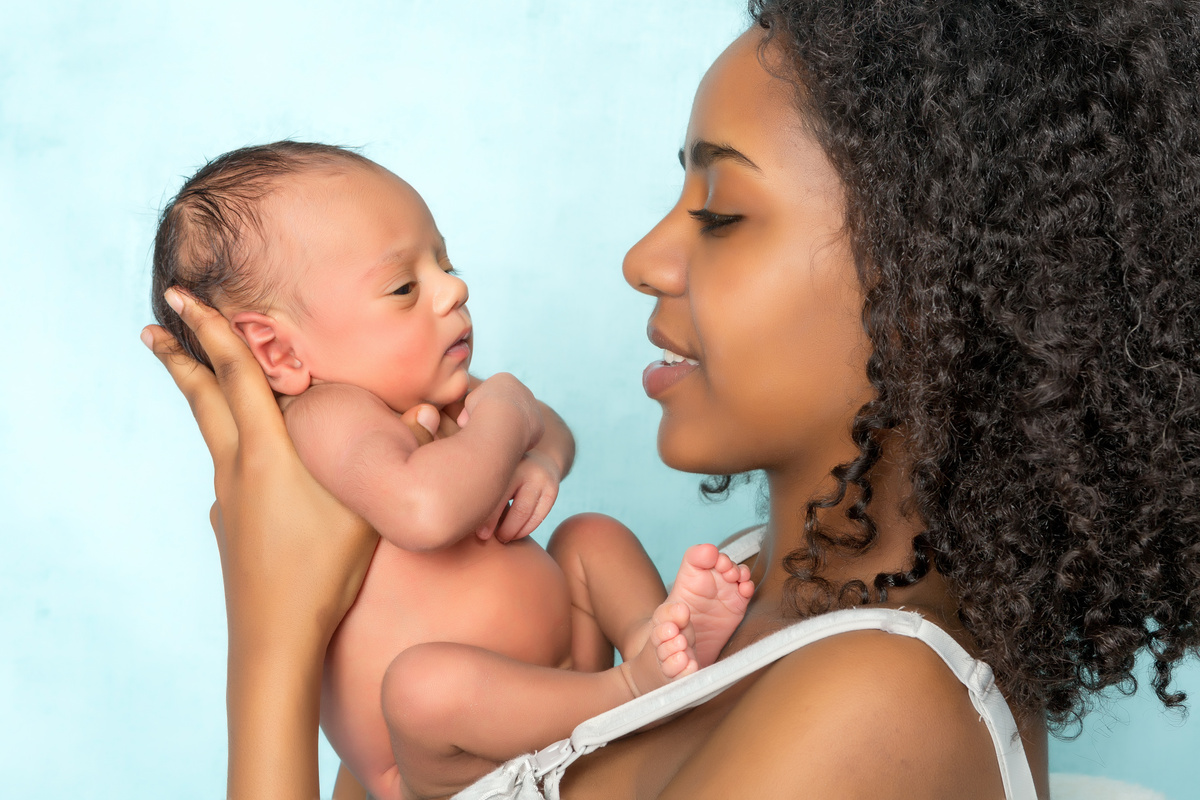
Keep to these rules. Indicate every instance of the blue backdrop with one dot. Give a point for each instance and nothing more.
(543, 136)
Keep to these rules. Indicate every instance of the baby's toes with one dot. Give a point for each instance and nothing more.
(677, 613)
(663, 633)
(702, 556)
(675, 664)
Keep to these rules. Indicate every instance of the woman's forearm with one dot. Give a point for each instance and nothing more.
(273, 702)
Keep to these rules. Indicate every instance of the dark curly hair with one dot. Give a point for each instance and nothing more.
(206, 234)
(1023, 184)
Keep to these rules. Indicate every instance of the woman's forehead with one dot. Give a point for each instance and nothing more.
(741, 103)
(746, 105)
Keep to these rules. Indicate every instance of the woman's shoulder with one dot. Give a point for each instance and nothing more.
(874, 669)
(860, 712)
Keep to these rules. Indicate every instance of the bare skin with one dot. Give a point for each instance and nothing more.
(859, 715)
(769, 307)
(369, 320)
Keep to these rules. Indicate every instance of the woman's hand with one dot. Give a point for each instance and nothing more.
(292, 557)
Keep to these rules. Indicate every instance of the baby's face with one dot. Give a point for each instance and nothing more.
(379, 304)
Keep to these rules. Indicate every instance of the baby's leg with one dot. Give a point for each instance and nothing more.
(617, 597)
(455, 711)
(614, 587)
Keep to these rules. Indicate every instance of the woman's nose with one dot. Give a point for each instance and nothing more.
(657, 265)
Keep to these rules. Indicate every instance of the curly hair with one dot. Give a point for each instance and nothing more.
(206, 233)
(1023, 184)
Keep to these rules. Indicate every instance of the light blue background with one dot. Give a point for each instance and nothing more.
(543, 136)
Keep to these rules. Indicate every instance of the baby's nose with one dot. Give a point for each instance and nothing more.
(452, 293)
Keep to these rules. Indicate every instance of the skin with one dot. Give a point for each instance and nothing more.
(368, 321)
(782, 370)
(769, 307)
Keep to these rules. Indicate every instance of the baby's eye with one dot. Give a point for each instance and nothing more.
(406, 288)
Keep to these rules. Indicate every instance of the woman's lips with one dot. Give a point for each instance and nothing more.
(660, 376)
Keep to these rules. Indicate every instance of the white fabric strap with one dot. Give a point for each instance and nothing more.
(537, 776)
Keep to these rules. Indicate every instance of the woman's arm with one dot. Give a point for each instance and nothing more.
(292, 558)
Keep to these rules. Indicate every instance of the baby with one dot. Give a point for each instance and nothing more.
(468, 643)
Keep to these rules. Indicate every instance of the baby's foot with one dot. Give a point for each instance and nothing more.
(716, 592)
(689, 629)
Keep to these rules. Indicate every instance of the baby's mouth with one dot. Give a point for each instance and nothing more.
(461, 345)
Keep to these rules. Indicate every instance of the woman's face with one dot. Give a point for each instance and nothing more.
(755, 286)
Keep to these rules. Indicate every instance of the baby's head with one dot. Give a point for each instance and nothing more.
(329, 267)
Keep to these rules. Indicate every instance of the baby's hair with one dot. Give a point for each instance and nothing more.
(202, 244)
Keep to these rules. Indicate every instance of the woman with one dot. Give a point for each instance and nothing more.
(936, 265)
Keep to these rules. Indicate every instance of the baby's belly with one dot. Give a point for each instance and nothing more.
(509, 598)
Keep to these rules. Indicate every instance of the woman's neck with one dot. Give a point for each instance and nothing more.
(790, 493)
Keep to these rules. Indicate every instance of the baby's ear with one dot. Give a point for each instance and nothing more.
(272, 343)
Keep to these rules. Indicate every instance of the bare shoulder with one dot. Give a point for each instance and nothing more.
(333, 407)
(331, 421)
(860, 714)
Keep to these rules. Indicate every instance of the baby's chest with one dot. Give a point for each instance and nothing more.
(509, 598)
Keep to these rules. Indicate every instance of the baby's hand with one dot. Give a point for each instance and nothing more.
(533, 490)
(504, 388)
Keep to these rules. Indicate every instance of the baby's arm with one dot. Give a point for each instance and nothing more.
(416, 498)
(534, 485)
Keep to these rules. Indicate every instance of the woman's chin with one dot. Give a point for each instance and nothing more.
(689, 453)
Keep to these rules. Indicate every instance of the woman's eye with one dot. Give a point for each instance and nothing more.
(712, 221)
(406, 288)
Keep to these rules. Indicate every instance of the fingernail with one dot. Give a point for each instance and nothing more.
(147, 338)
(428, 418)
(174, 300)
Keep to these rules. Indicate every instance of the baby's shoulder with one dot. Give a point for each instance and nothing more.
(336, 410)
(331, 398)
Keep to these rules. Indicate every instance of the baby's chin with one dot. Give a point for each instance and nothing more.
(448, 395)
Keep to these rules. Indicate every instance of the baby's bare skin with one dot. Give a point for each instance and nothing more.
(508, 598)
(455, 654)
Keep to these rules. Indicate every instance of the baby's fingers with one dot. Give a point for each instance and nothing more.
(530, 504)
(199, 387)
(544, 504)
(250, 399)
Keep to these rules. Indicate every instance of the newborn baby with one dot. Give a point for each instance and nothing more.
(468, 643)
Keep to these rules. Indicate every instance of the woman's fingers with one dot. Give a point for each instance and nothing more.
(423, 421)
(447, 426)
(251, 401)
(200, 388)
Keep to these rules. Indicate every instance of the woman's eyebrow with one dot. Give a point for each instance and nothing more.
(704, 154)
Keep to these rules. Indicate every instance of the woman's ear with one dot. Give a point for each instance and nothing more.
(272, 342)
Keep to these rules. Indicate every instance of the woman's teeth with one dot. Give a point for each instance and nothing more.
(675, 358)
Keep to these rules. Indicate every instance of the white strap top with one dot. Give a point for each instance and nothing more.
(537, 776)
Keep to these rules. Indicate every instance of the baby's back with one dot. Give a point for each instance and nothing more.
(510, 598)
